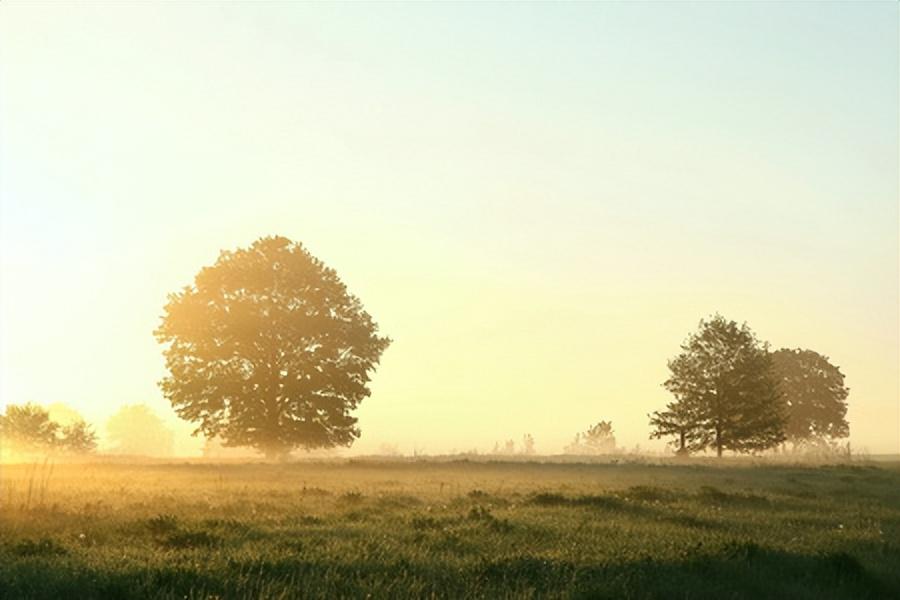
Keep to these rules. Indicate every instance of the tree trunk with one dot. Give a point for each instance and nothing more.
(718, 442)
(681, 448)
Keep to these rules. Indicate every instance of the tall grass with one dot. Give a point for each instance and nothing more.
(482, 530)
(36, 484)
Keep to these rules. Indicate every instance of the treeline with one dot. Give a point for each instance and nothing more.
(732, 393)
(275, 299)
(28, 429)
(31, 429)
(599, 439)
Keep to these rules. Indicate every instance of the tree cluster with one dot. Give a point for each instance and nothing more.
(28, 429)
(268, 349)
(508, 448)
(731, 393)
(598, 439)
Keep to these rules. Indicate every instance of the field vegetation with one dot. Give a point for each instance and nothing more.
(726, 528)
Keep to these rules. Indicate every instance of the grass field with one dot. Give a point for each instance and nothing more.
(450, 529)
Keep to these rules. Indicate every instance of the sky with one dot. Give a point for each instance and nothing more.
(538, 202)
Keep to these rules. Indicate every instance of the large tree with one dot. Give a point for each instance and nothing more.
(814, 392)
(726, 396)
(268, 349)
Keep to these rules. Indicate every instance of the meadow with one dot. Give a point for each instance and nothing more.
(448, 529)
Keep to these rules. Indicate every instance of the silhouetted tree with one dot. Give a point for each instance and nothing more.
(268, 349)
(725, 393)
(77, 438)
(136, 429)
(814, 392)
(598, 439)
(27, 428)
(680, 422)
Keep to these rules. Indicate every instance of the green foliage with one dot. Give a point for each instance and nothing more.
(268, 349)
(726, 396)
(814, 392)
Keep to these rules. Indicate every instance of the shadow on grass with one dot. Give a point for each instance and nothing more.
(737, 570)
(653, 510)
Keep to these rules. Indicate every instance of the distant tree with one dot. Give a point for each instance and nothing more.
(813, 390)
(268, 349)
(137, 430)
(527, 444)
(726, 397)
(77, 438)
(27, 428)
(507, 448)
(598, 439)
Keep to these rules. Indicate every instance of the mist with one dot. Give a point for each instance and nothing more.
(449, 300)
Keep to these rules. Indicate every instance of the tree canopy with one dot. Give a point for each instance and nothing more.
(78, 438)
(268, 349)
(28, 428)
(679, 421)
(726, 396)
(814, 393)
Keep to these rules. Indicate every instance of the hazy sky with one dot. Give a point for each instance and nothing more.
(537, 202)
